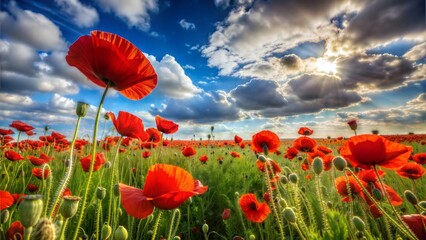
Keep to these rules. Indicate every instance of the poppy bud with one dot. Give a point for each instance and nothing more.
(106, 231)
(293, 178)
(289, 215)
(45, 230)
(46, 128)
(81, 109)
(252, 237)
(282, 203)
(358, 223)
(226, 214)
(4, 216)
(411, 197)
(100, 193)
(30, 210)
(121, 233)
(284, 180)
(212, 128)
(318, 166)
(359, 234)
(237, 194)
(69, 206)
(377, 194)
(176, 238)
(107, 164)
(352, 124)
(262, 158)
(205, 228)
(340, 163)
(106, 116)
(116, 189)
(422, 204)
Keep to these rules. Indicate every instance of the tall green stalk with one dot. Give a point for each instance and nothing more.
(92, 163)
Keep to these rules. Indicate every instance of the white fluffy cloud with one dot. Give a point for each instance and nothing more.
(186, 25)
(81, 14)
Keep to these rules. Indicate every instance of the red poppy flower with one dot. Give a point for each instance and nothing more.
(267, 139)
(370, 177)
(275, 167)
(146, 154)
(166, 126)
(67, 192)
(6, 200)
(305, 131)
(99, 162)
(235, 155)
(15, 231)
(5, 132)
(226, 214)
(6, 139)
(166, 187)
(46, 138)
(188, 151)
(128, 125)
(291, 153)
(419, 158)
(327, 161)
(253, 210)
(18, 197)
(411, 170)
(324, 149)
(314, 154)
(237, 139)
(367, 150)
(104, 57)
(352, 124)
(242, 145)
(148, 145)
(153, 135)
(57, 136)
(32, 187)
(38, 173)
(416, 223)
(304, 144)
(340, 184)
(20, 126)
(203, 159)
(13, 156)
(43, 159)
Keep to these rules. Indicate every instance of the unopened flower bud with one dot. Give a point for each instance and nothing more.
(46, 128)
(45, 230)
(100, 193)
(81, 109)
(121, 233)
(252, 237)
(30, 210)
(358, 223)
(4, 216)
(422, 204)
(340, 163)
(176, 238)
(107, 164)
(106, 116)
(106, 231)
(262, 158)
(289, 215)
(411, 197)
(329, 204)
(284, 180)
(293, 178)
(69, 206)
(205, 228)
(116, 189)
(377, 194)
(359, 234)
(317, 166)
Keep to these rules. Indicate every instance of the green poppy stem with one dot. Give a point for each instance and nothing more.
(92, 163)
(157, 223)
(111, 183)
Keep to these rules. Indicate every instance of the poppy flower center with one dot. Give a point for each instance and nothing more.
(411, 171)
(253, 206)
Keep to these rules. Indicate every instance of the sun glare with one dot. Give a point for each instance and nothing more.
(326, 66)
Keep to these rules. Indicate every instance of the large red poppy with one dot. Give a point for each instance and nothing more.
(5, 131)
(267, 139)
(104, 57)
(38, 161)
(40, 174)
(341, 185)
(416, 223)
(166, 187)
(128, 125)
(15, 231)
(253, 210)
(188, 151)
(13, 156)
(166, 126)
(305, 144)
(419, 158)
(153, 135)
(237, 139)
(6, 199)
(365, 151)
(99, 162)
(20, 126)
(411, 170)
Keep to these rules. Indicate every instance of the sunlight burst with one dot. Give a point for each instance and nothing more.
(326, 66)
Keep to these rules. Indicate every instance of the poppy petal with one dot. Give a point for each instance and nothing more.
(134, 201)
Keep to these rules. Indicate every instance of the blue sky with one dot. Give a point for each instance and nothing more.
(241, 66)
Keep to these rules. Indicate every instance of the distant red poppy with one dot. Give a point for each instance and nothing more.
(46, 138)
(30, 133)
(305, 131)
(32, 187)
(6, 139)
(203, 159)
(341, 186)
(365, 151)
(314, 154)
(104, 57)
(4, 132)
(263, 139)
(275, 167)
(237, 139)
(146, 154)
(226, 214)
(43, 159)
(15, 231)
(128, 125)
(411, 170)
(419, 158)
(57, 136)
(291, 153)
(188, 151)
(235, 155)
(304, 144)
(166, 187)
(20, 126)
(153, 135)
(352, 124)
(324, 149)
(416, 223)
(253, 210)
(13, 156)
(166, 126)
(6, 200)
(99, 162)
(327, 161)
(40, 174)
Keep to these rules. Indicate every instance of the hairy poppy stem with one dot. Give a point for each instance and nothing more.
(92, 163)
(111, 183)
(268, 167)
(157, 223)
(173, 229)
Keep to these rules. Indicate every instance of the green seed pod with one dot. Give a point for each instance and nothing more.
(318, 166)
(150, 232)
(205, 228)
(46, 128)
(303, 189)
(121, 233)
(262, 158)
(289, 215)
(377, 194)
(116, 189)
(329, 204)
(252, 237)
(293, 178)
(284, 180)
(106, 231)
(30, 210)
(4, 216)
(44, 230)
(69, 206)
(422, 204)
(237, 194)
(107, 164)
(339, 163)
(176, 238)
(81, 109)
(282, 202)
(411, 197)
(358, 223)
(359, 234)
(100, 193)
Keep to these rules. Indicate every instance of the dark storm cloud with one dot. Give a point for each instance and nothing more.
(291, 61)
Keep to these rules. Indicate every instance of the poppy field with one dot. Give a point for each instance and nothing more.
(137, 182)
